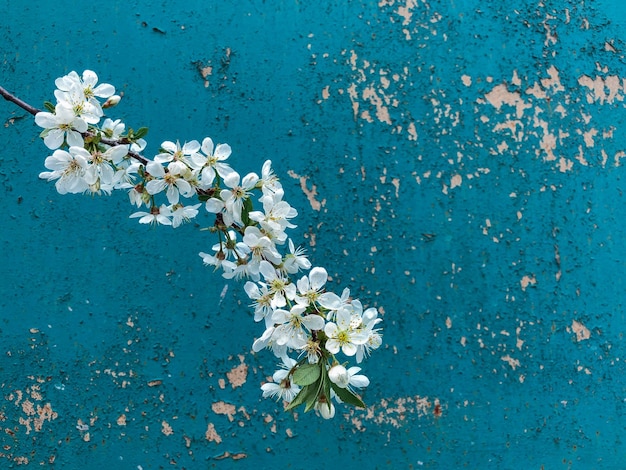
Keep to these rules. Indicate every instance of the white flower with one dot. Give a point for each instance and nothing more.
(171, 180)
(68, 168)
(357, 380)
(157, 215)
(233, 198)
(212, 162)
(373, 337)
(267, 340)
(312, 350)
(88, 84)
(243, 268)
(339, 376)
(279, 286)
(113, 129)
(295, 260)
(72, 82)
(100, 173)
(182, 214)
(269, 181)
(310, 286)
(332, 302)
(218, 260)
(343, 334)
(61, 126)
(352, 380)
(125, 179)
(261, 246)
(231, 248)
(275, 218)
(262, 298)
(74, 98)
(138, 146)
(292, 326)
(180, 157)
(282, 387)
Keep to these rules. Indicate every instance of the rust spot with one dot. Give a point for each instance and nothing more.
(437, 411)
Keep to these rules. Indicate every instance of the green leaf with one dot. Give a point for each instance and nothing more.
(326, 383)
(313, 398)
(245, 212)
(347, 396)
(49, 106)
(306, 374)
(141, 132)
(301, 397)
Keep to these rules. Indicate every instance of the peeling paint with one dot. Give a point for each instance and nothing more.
(211, 434)
(581, 331)
(237, 376)
(471, 182)
(310, 193)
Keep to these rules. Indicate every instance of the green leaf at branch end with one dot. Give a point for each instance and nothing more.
(49, 106)
(305, 395)
(347, 396)
(141, 132)
(306, 374)
(134, 135)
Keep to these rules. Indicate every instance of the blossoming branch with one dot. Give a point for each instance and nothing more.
(95, 154)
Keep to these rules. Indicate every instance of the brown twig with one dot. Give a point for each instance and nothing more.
(14, 99)
(32, 110)
(135, 155)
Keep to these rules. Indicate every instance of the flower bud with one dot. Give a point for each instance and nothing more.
(111, 101)
(339, 376)
(325, 408)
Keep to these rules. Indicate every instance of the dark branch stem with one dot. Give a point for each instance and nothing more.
(14, 99)
(135, 155)
(32, 110)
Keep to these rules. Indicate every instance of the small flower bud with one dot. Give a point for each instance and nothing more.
(325, 408)
(339, 376)
(111, 101)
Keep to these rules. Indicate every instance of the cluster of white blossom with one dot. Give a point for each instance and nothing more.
(300, 315)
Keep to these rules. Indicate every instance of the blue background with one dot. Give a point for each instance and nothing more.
(456, 164)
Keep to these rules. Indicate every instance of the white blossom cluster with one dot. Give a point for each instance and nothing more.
(301, 316)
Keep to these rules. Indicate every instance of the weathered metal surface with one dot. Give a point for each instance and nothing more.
(457, 164)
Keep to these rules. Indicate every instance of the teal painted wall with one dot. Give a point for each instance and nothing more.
(457, 164)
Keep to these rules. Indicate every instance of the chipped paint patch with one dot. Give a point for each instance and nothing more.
(456, 181)
(310, 193)
(514, 363)
(36, 413)
(581, 331)
(228, 455)
(528, 280)
(223, 408)
(211, 434)
(166, 428)
(548, 102)
(395, 411)
(237, 376)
